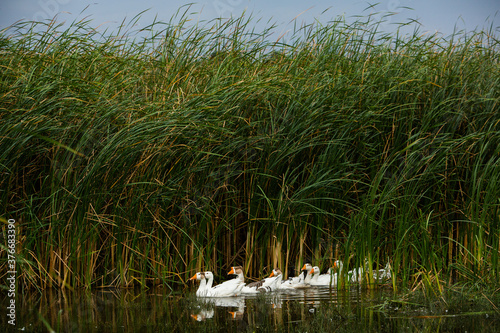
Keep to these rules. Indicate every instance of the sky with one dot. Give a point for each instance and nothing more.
(442, 16)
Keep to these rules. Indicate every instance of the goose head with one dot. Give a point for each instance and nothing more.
(237, 270)
(275, 272)
(209, 276)
(198, 276)
(337, 265)
(307, 267)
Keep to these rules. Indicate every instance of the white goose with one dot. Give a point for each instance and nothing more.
(306, 282)
(383, 274)
(322, 279)
(228, 288)
(278, 278)
(353, 276)
(266, 285)
(356, 275)
(335, 272)
(202, 289)
(301, 281)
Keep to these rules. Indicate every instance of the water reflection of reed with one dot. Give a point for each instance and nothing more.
(74, 310)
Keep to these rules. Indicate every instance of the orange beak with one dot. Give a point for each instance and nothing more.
(193, 278)
(335, 264)
(231, 271)
(303, 267)
(272, 274)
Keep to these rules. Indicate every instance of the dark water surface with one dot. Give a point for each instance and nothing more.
(310, 310)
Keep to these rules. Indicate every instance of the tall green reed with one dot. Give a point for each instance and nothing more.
(133, 160)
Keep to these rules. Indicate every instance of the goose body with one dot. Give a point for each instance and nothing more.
(268, 284)
(278, 279)
(319, 279)
(256, 287)
(353, 276)
(301, 281)
(228, 288)
(383, 274)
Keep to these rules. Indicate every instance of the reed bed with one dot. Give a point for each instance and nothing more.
(139, 157)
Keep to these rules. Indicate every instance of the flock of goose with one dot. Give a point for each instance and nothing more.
(310, 276)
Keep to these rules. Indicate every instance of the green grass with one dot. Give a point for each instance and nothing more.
(131, 160)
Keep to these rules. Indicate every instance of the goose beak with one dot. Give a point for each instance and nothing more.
(303, 267)
(193, 278)
(231, 271)
(272, 274)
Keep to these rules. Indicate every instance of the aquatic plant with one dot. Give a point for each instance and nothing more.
(138, 158)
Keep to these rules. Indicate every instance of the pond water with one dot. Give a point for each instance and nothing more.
(309, 310)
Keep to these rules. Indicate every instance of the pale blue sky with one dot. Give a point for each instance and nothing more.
(434, 15)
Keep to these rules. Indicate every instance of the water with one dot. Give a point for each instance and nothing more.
(310, 310)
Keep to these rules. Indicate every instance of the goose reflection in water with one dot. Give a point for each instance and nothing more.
(208, 304)
(203, 315)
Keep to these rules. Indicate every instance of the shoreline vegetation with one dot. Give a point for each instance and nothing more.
(138, 161)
